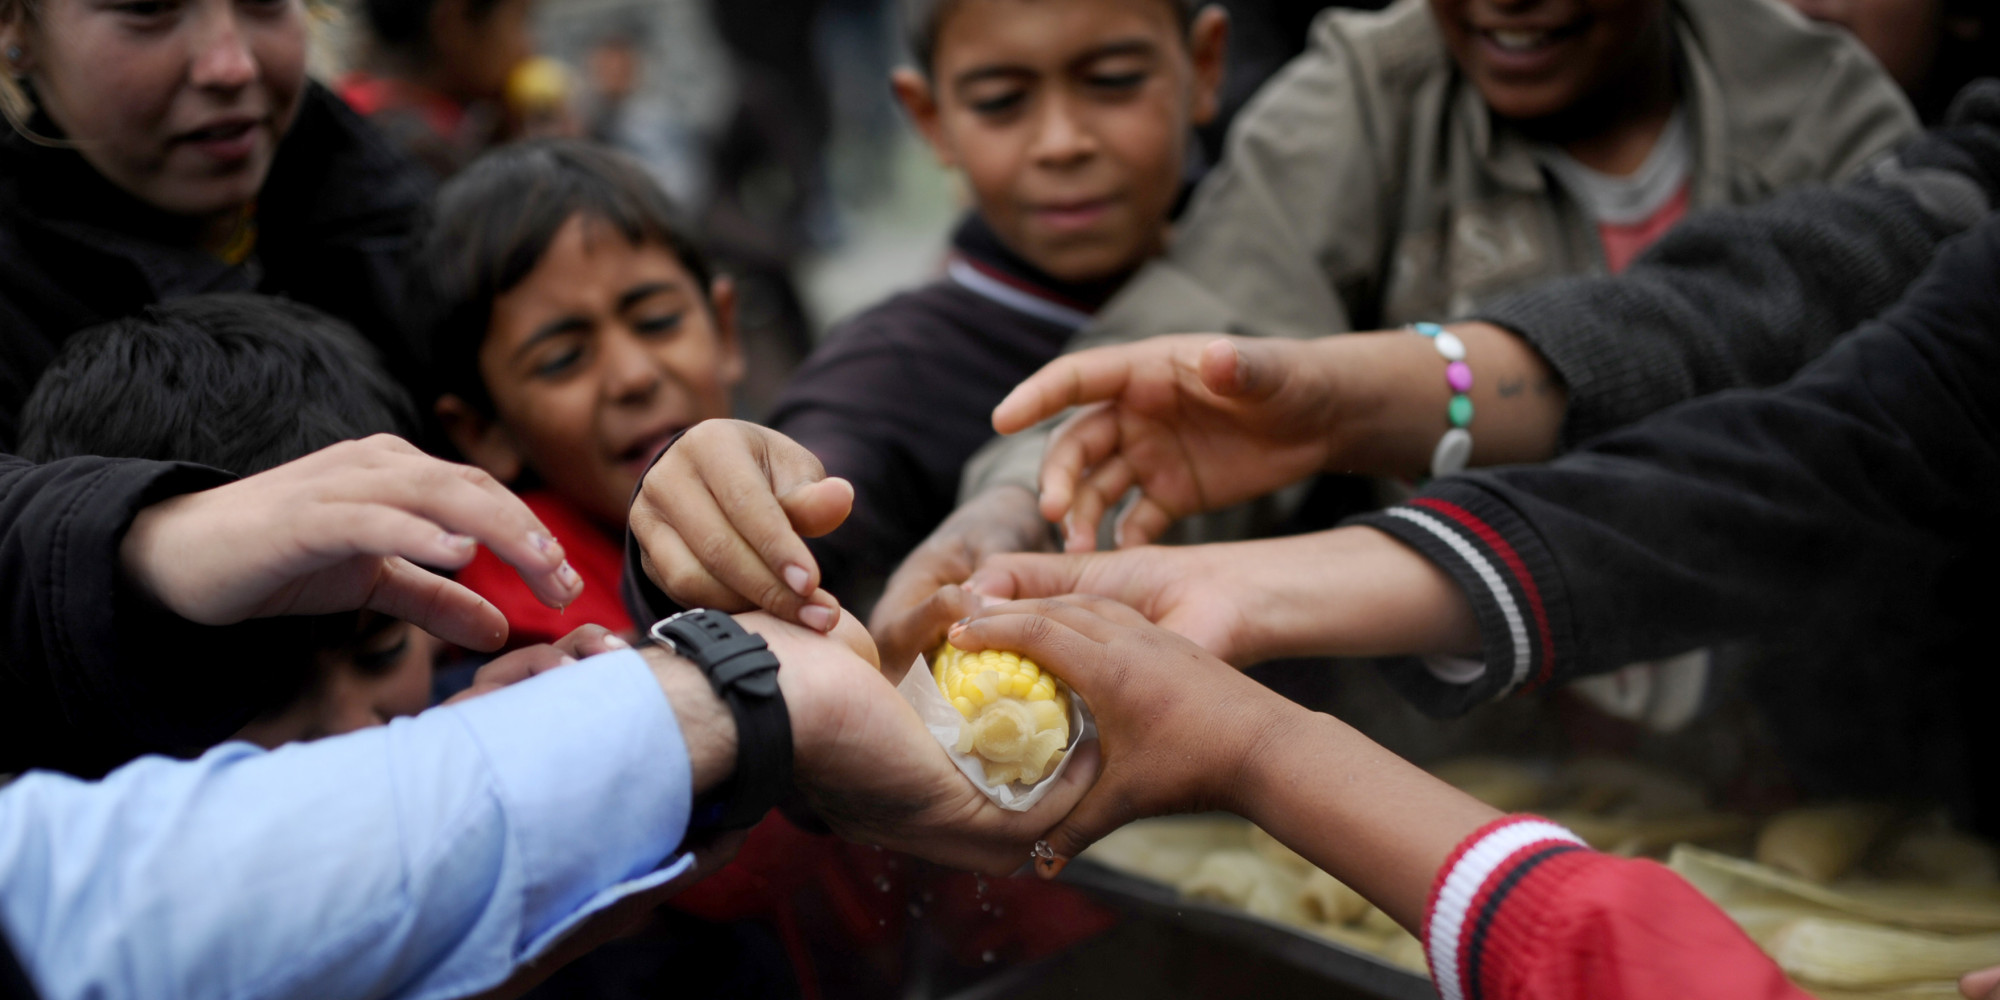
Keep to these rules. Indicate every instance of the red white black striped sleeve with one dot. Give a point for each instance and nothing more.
(1522, 910)
(1511, 580)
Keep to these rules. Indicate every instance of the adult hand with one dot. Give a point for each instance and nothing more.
(872, 771)
(342, 529)
(530, 661)
(1195, 421)
(924, 596)
(1179, 728)
(722, 517)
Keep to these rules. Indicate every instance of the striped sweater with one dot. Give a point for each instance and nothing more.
(1522, 910)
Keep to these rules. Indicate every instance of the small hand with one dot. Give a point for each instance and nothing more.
(530, 661)
(1981, 985)
(1196, 422)
(1178, 727)
(1185, 589)
(721, 520)
(343, 529)
(924, 595)
(872, 771)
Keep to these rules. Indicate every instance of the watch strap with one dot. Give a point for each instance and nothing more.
(744, 673)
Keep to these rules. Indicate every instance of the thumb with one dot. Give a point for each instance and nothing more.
(1025, 576)
(1243, 369)
(816, 508)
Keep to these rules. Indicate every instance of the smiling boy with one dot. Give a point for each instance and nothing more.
(1070, 122)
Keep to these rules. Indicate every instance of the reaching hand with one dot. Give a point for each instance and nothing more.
(530, 661)
(721, 520)
(1196, 422)
(343, 529)
(870, 769)
(925, 595)
(1178, 727)
(1185, 589)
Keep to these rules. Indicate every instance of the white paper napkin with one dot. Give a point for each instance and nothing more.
(920, 689)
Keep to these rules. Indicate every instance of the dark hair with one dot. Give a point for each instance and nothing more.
(405, 25)
(239, 382)
(490, 226)
(242, 383)
(924, 19)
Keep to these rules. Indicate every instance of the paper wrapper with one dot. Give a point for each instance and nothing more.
(920, 689)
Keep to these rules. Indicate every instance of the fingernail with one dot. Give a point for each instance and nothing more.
(613, 642)
(799, 580)
(818, 617)
(458, 543)
(566, 661)
(957, 629)
(567, 574)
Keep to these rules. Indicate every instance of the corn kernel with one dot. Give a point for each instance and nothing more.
(1017, 715)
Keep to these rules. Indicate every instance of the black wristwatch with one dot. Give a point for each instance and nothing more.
(744, 673)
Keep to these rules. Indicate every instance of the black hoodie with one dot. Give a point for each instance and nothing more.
(335, 220)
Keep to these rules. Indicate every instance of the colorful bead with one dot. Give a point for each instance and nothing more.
(1450, 346)
(1460, 411)
(1458, 375)
(1454, 453)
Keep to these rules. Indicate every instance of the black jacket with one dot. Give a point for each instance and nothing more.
(1866, 483)
(335, 220)
(92, 673)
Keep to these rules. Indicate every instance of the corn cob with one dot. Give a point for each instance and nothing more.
(1848, 955)
(1822, 843)
(1016, 716)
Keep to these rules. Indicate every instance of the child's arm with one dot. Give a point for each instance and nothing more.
(1508, 907)
(719, 519)
(1200, 423)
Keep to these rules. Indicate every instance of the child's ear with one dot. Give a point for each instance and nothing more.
(1208, 44)
(484, 441)
(913, 91)
(722, 303)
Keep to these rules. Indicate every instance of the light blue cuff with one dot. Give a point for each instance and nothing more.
(606, 809)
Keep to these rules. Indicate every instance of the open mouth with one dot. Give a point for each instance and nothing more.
(641, 456)
(222, 132)
(1522, 41)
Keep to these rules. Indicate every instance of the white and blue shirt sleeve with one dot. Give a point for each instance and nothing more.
(429, 858)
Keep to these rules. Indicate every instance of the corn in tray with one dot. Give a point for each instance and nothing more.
(1016, 714)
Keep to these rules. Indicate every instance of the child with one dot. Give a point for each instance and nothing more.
(1070, 123)
(1418, 163)
(572, 332)
(438, 74)
(246, 383)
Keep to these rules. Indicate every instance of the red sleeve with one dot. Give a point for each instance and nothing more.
(1523, 910)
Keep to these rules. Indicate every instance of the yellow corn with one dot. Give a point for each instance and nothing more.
(1016, 715)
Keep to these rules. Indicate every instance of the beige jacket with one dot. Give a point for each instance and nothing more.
(1367, 186)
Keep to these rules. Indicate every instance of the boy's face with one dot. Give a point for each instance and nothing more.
(1070, 121)
(385, 675)
(594, 362)
(1534, 59)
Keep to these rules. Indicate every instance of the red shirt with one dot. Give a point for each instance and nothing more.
(1624, 241)
(597, 556)
(1524, 911)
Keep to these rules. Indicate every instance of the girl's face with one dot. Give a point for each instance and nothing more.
(182, 103)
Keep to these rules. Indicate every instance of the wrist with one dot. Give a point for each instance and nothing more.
(139, 552)
(1258, 782)
(1394, 404)
(706, 725)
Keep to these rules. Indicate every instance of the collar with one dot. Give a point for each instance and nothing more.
(982, 264)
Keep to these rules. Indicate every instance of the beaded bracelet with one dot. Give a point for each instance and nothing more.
(1454, 450)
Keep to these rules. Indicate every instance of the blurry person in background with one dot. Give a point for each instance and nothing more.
(435, 74)
(165, 150)
(1932, 47)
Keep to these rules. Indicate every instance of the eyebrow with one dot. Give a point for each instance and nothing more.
(563, 325)
(1119, 47)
